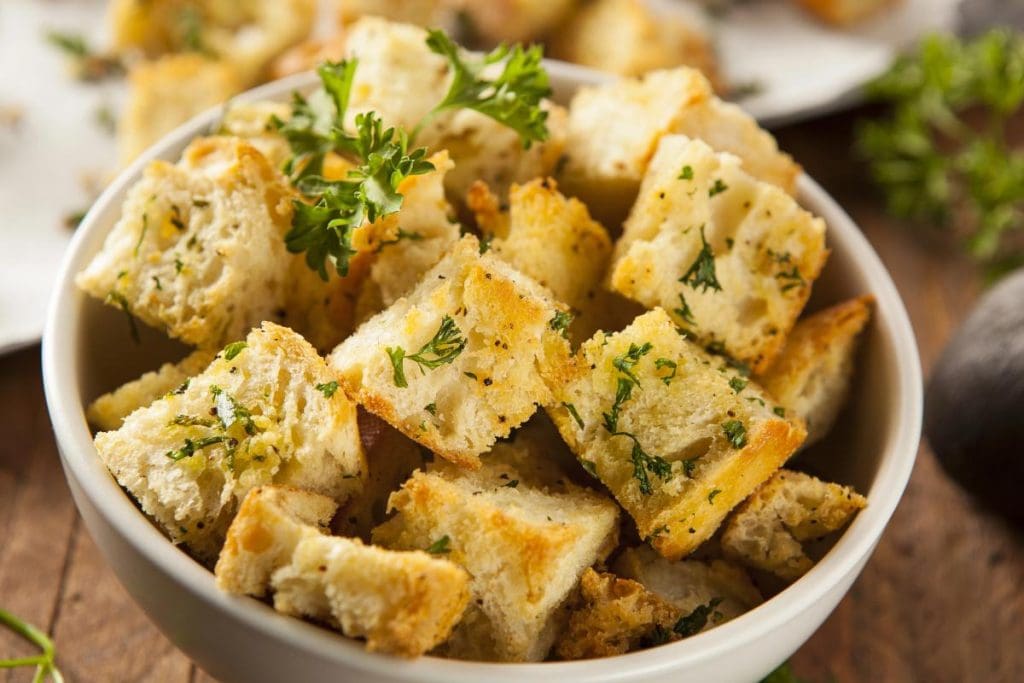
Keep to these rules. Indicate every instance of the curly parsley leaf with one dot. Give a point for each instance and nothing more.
(941, 157)
(443, 348)
(512, 98)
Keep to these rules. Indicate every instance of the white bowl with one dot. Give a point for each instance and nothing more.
(87, 350)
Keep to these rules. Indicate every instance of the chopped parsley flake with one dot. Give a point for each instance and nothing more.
(232, 350)
(431, 408)
(575, 413)
(736, 433)
(666, 363)
(695, 621)
(711, 496)
(702, 272)
(738, 384)
(561, 322)
(686, 173)
(625, 363)
(717, 188)
(779, 410)
(684, 311)
(791, 279)
(512, 484)
(445, 346)
(328, 389)
(440, 546)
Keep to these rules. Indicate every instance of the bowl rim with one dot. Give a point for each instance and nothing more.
(79, 459)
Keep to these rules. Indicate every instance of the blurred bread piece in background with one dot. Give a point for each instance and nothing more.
(631, 37)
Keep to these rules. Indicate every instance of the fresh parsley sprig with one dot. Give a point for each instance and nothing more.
(512, 98)
(45, 662)
(930, 157)
(443, 348)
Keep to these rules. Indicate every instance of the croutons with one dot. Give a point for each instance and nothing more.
(677, 435)
(522, 531)
(402, 80)
(614, 130)
(264, 411)
(166, 93)
(732, 258)
(548, 237)
(811, 376)
(460, 361)
(248, 34)
(630, 38)
(199, 248)
(108, 411)
(270, 523)
(767, 530)
(419, 12)
(691, 584)
(613, 616)
(843, 12)
(402, 603)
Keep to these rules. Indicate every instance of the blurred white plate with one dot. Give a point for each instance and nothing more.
(800, 66)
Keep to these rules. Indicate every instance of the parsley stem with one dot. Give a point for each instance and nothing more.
(43, 662)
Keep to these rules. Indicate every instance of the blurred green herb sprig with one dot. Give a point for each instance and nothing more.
(943, 156)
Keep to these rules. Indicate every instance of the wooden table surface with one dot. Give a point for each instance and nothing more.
(942, 599)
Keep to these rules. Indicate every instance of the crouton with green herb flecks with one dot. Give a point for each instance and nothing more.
(107, 412)
(521, 529)
(266, 410)
(731, 258)
(550, 238)
(199, 249)
(811, 376)
(246, 34)
(462, 359)
(767, 531)
(679, 436)
(614, 130)
(402, 603)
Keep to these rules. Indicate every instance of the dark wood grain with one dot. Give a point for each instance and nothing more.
(942, 599)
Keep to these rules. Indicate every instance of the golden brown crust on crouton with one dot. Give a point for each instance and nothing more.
(691, 440)
(767, 530)
(811, 376)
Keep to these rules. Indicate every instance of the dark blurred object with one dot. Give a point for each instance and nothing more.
(974, 405)
(978, 16)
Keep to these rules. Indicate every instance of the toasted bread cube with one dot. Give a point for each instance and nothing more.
(614, 130)
(460, 361)
(630, 38)
(199, 248)
(266, 411)
(263, 536)
(402, 603)
(548, 237)
(391, 458)
(248, 34)
(107, 413)
(514, 21)
(402, 80)
(253, 121)
(414, 240)
(767, 531)
(689, 584)
(812, 374)
(613, 616)
(732, 258)
(166, 93)
(686, 441)
(843, 12)
(523, 532)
